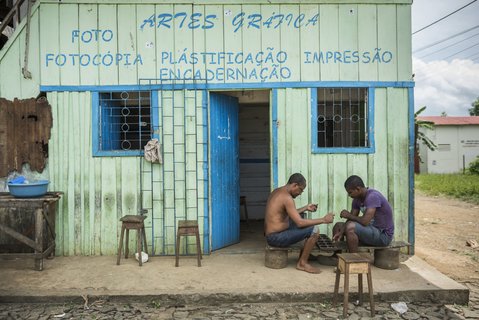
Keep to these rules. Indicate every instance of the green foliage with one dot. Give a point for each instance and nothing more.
(420, 136)
(474, 111)
(461, 186)
(474, 167)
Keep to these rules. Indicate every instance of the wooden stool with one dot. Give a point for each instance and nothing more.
(188, 228)
(131, 222)
(353, 263)
(243, 203)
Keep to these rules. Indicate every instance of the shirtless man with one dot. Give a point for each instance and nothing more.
(284, 224)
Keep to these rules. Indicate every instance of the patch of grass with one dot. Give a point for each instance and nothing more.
(460, 186)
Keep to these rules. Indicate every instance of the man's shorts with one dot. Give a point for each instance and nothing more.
(289, 236)
(370, 235)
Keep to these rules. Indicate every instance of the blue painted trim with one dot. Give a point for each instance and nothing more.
(371, 108)
(210, 86)
(314, 116)
(206, 221)
(253, 160)
(96, 151)
(95, 121)
(155, 125)
(274, 120)
(359, 150)
(411, 225)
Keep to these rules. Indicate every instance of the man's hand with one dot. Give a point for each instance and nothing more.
(328, 218)
(312, 207)
(345, 214)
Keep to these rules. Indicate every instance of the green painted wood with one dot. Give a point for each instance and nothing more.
(385, 170)
(348, 41)
(127, 44)
(183, 43)
(403, 37)
(10, 87)
(49, 35)
(250, 38)
(70, 72)
(146, 43)
(214, 37)
(387, 38)
(270, 37)
(109, 205)
(309, 40)
(205, 2)
(165, 44)
(29, 87)
(328, 41)
(199, 42)
(153, 52)
(290, 42)
(89, 74)
(378, 175)
(75, 158)
(108, 20)
(54, 170)
(367, 28)
(398, 160)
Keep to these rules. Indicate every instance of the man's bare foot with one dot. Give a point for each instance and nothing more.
(308, 268)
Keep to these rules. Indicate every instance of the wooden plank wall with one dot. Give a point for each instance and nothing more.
(98, 191)
(66, 50)
(385, 170)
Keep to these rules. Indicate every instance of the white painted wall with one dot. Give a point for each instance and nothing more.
(457, 145)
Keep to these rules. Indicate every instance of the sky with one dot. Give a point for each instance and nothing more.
(446, 74)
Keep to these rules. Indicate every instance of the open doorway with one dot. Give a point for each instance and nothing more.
(254, 166)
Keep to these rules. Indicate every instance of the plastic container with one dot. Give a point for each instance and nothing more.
(28, 190)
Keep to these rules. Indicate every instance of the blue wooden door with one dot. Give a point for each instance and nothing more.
(224, 159)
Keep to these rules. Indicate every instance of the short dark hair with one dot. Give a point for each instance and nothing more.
(353, 182)
(297, 178)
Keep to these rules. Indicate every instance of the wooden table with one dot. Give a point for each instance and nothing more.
(43, 209)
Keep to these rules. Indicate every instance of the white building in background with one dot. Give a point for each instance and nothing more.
(457, 140)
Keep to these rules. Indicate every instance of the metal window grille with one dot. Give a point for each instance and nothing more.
(125, 120)
(342, 117)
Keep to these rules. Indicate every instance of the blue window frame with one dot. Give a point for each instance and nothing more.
(123, 121)
(342, 120)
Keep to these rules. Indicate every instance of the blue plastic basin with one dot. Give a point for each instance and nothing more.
(28, 190)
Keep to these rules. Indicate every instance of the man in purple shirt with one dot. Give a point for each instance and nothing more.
(375, 227)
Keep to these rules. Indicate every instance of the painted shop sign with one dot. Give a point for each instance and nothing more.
(270, 64)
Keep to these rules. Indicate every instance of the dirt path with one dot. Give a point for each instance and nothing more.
(442, 228)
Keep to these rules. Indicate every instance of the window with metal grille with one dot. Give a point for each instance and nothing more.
(123, 120)
(341, 120)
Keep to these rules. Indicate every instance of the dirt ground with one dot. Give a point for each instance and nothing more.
(443, 226)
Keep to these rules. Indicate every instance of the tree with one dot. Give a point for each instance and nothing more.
(420, 137)
(474, 111)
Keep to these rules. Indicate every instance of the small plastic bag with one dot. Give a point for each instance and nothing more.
(400, 307)
(144, 257)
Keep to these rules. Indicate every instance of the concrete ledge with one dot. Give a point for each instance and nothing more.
(223, 278)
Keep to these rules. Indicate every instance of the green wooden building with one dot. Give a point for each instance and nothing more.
(239, 96)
